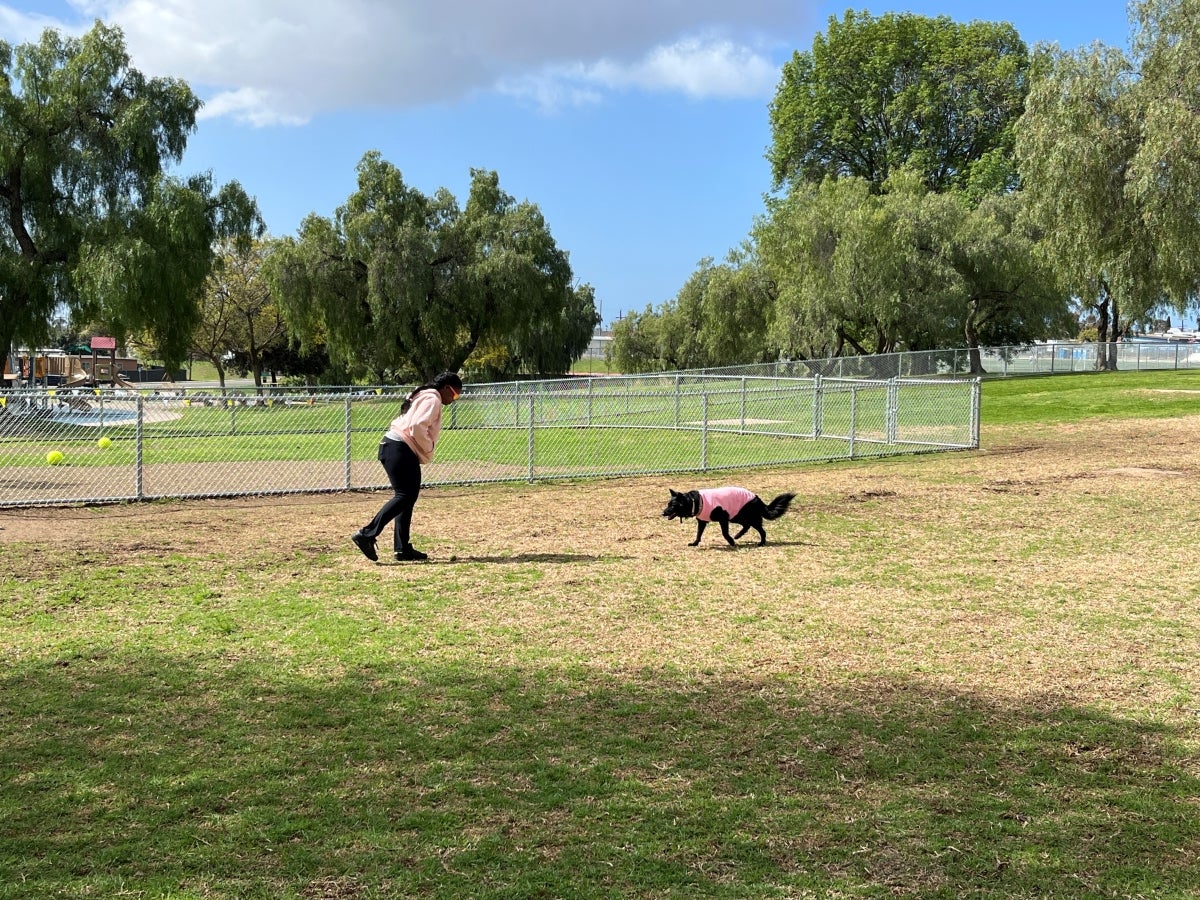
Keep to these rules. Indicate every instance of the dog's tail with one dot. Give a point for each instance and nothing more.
(778, 506)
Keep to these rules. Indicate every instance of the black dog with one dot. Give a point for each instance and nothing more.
(725, 505)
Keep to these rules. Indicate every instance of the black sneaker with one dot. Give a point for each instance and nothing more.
(411, 553)
(366, 545)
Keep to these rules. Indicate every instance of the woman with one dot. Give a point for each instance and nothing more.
(408, 444)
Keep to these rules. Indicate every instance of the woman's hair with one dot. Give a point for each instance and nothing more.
(446, 379)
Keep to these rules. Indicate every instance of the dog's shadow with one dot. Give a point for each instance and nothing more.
(769, 545)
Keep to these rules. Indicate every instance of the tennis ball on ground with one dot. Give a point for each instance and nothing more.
(55, 457)
(104, 443)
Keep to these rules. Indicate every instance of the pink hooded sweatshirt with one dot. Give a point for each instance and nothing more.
(420, 426)
(731, 499)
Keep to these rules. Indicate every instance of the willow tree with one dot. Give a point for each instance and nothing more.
(843, 270)
(89, 217)
(1075, 144)
(1164, 174)
(907, 269)
(1109, 151)
(401, 284)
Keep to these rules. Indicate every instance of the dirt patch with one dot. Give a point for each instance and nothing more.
(554, 515)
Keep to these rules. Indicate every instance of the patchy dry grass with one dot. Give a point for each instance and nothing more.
(972, 674)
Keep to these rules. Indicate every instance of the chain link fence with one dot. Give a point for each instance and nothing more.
(1056, 358)
(97, 446)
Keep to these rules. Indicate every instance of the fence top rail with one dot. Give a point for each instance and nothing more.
(632, 387)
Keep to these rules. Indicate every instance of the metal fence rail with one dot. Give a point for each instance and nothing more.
(98, 446)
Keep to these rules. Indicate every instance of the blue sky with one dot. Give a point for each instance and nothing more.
(639, 127)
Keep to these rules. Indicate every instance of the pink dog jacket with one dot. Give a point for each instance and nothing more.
(730, 499)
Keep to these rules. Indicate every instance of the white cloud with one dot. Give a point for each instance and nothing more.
(696, 67)
(283, 61)
(23, 28)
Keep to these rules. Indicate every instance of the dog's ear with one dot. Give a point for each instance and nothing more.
(675, 493)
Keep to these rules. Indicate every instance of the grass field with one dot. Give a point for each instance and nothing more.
(972, 674)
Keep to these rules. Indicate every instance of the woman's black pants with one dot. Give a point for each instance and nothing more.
(404, 472)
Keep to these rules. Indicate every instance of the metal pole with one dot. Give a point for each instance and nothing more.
(346, 443)
(818, 408)
(976, 394)
(853, 416)
(893, 401)
(704, 431)
(138, 458)
(530, 447)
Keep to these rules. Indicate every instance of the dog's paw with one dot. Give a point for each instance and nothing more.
(694, 544)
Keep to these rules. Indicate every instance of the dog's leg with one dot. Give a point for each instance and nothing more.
(722, 518)
(700, 526)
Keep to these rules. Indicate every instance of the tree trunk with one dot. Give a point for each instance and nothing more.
(971, 332)
(1102, 331)
(1115, 331)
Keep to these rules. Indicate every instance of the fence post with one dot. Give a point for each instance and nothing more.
(704, 430)
(743, 427)
(138, 456)
(591, 398)
(976, 394)
(818, 408)
(676, 402)
(893, 401)
(530, 448)
(853, 416)
(346, 443)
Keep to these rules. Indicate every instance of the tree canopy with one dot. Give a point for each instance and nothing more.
(89, 217)
(1109, 153)
(876, 95)
(239, 319)
(401, 284)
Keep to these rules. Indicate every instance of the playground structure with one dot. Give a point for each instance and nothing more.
(57, 368)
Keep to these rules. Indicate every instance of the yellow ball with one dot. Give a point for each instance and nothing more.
(55, 457)
(104, 443)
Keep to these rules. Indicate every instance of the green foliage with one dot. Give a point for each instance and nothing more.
(903, 270)
(238, 315)
(875, 95)
(1164, 173)
(1109, 151)
(1080, 130)
(403, 285)
(89, 217)
(720, 317)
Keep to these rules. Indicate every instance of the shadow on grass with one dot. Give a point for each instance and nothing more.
(528, 558)
(222, 777)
